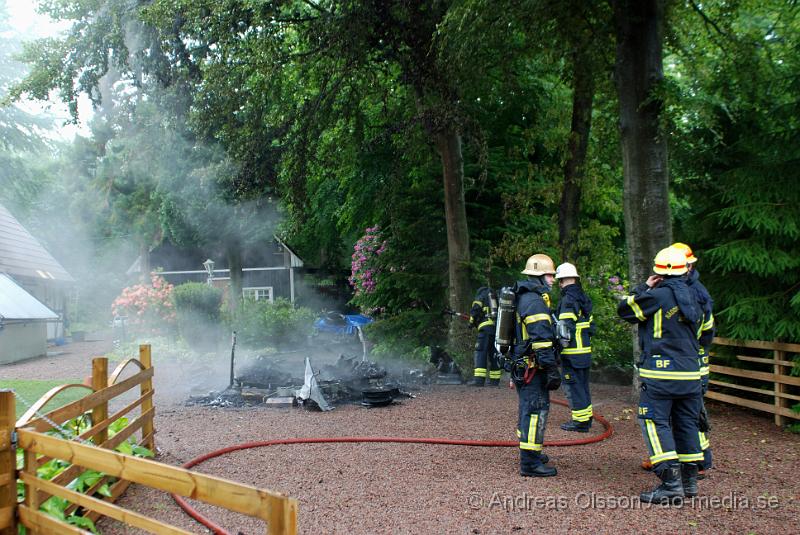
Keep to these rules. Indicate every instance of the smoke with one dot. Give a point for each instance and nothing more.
(140, 179)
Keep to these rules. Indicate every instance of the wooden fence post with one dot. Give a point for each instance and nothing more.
(283, 520)
(99, 382)
(148, 429)
(32, 501)
(780, 388)
(8, 465)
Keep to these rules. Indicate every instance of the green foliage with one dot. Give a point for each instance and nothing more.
(86, 480)
(407, 334)
(279, 324)
(198, 310)
(199, 299)
(612, 341)
(209, 112)
(737, 148)
(32, 390)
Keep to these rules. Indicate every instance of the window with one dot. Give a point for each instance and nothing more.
(259, 294)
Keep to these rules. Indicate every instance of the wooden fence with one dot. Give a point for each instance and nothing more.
(93, 449)
(760, 380)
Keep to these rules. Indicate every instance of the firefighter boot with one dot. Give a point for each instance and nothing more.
(494, 382)
(689, 479)
(669, 491)
(579, 427)
(477, 381)
(532, 464)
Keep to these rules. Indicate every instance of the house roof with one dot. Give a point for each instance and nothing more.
(21, 254)
(295, 260)
(17, 304)
(270, 254)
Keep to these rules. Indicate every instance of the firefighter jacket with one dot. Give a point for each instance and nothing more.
(669, 320)
(480, 314)
(575, 310)
(534, 325)
(708, 328)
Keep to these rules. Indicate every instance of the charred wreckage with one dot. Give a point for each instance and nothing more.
(273, 380)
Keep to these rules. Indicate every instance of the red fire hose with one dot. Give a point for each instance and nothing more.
(218, 530)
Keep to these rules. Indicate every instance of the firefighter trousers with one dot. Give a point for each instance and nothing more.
(534, 406)
(669, 424)
(576, 388)
(487, 363)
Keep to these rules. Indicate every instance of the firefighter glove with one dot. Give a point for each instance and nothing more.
(553, 378)
(703, 425)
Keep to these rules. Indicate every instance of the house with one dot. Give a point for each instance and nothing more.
(27, 262)
(23, 323)
(271, 269)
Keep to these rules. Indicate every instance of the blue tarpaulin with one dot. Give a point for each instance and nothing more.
(341, 323)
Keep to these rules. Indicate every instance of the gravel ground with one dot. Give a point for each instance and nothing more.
(70, 361)
(394, 488)
(398, 488)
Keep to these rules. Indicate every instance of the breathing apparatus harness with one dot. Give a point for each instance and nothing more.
(522, 367)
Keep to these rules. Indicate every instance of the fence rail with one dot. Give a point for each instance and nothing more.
(93, 449)
(765, 374)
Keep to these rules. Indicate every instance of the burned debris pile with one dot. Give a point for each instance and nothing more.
(273, 381)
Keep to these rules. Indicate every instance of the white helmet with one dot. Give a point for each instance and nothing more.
(567, 270)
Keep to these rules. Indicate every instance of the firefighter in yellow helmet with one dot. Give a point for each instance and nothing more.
(668, 318)
(706, 337)
(536, 370)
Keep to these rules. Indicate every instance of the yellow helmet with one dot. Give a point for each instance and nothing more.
(539, 264)
(690, 258)
(670, 261)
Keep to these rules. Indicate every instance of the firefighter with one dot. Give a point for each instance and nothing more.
(574, 332)
(706, 337)
(482, 316)
(536, 372)
(670, 398)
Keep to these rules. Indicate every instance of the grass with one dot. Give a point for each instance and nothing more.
(32, 390)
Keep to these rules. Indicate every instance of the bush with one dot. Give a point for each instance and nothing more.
(612, 343)
(198, 311)
(199, 298)
(279, 324)
(406, 335)
(149, 308)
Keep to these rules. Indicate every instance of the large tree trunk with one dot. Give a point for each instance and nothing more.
(639, 71)
(574, 169)
(144, 262)
(448, 143)
(233, 254)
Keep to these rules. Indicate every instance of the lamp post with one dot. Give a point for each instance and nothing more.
(209, 265)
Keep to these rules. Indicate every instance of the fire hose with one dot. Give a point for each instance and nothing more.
(219, 530)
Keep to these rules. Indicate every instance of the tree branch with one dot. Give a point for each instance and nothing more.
(709, 22)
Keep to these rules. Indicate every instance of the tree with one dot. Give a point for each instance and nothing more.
(639, 76)
(734, 122)
(147, 155)
(316, 62)
(21, 132)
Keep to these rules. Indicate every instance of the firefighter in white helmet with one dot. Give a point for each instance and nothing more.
(575, 329)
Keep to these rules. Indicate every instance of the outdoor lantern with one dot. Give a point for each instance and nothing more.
(209, 265)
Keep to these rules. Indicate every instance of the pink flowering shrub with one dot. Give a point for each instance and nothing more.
(364, 268)
(147, 307)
